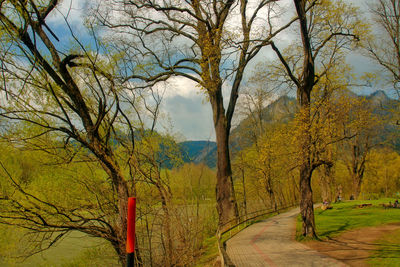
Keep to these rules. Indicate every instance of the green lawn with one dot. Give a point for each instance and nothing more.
(347, 216)
(75, 250)
(388, 252)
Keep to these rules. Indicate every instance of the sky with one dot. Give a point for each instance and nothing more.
(191, 115)
(184, 104)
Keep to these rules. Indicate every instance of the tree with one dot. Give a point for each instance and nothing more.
(364, 126)
(384, 47)
(326, 28)
(381, 173)
(330, 108)
(262, 137)
(194, 40)
(72, 96)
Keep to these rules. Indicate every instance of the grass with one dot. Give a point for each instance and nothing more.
(210, 252)
(75, 250)
(346, 216)
(388, 252)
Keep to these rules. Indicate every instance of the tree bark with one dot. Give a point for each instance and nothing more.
(120, 227)
(123, 196)
(306, 170)
(106, 158)
(225, 194)
(304, 88)
(306, 202)
(356, 186)
(357, 167)
(326, 183)
(244, 193)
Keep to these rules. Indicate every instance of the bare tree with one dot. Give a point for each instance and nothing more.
(384, 47)
(73, 95)
(209, 42)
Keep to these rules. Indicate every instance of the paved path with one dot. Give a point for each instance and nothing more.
(271, 243)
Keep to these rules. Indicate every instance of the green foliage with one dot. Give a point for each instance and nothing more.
(382, 176)
(263, 170)
(192, 182)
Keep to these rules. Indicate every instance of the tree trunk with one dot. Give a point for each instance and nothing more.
(121, 226)
(306, 168)
(225, 194)
(356, 186)
(357, 168)
(326, 183)
(119, 182)
(271, 194)
(244, 193)
(304, 88)
(306, 202)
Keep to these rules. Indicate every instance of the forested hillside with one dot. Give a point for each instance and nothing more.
(282, 111)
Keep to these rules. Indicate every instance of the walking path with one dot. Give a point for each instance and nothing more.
(271, 243)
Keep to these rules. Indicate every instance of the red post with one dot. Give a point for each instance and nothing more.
(130, 239)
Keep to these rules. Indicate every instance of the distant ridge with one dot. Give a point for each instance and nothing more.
(281, 110)
(200, 152)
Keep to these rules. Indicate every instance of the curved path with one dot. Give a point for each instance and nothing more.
(271, 243)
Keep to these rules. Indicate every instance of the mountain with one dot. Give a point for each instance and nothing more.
(384, 107)
(282, 111)
(378, 98)
(200, 152)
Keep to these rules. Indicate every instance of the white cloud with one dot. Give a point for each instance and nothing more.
(72, 10)
(187, 108)
(179, 86)
(190, 116)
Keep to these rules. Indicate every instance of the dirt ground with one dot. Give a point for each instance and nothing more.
(353, 247)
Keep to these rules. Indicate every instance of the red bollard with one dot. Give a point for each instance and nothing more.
(130, 239)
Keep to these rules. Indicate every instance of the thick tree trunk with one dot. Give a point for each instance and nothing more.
(121, 226)
(226, 201)
(119, 182)
(306, 202)
(357, 168)
(306, 168)
(225, 194)
(356, 186)
(326, 184)
(304, 88)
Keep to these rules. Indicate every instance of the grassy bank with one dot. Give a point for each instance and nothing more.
(388, 251)
(348, 215)
(75, 250)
